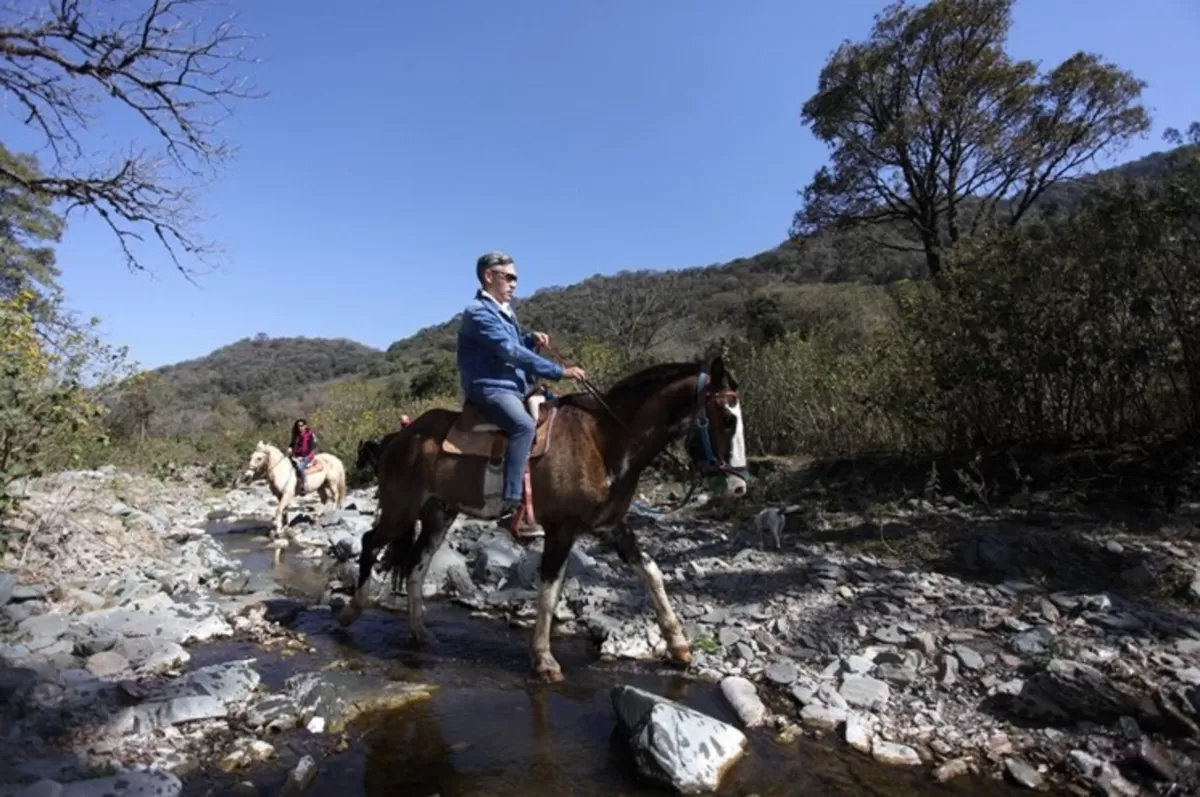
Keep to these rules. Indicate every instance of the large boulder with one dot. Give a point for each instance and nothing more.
(674, 745)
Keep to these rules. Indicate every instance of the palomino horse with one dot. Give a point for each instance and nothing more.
(326, 474)
(583, 481)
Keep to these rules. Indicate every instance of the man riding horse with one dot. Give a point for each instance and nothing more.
(495, 361)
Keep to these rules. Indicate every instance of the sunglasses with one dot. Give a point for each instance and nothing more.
(510, 278)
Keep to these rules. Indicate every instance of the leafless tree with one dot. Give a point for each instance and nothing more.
(170, 64)
(638, 311)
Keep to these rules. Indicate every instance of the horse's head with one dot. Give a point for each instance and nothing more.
(717, 444)
(368, 454)
(258, 461)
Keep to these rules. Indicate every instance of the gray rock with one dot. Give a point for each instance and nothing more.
(948, 670)
(338, 695)
(822, 717)
(494, 559)
(744, 700)
(228, 682)
(674, 745)
(106, 664)
(891, 635)
(159, 617)
(857, 665)
(968, 657)
(152, 656)
(1102, 774)
(1023, 773)
(126, 784)
(7, 582)
(894, 754)
(147, 717)
(858, 733)
(274, 713)
(862, 691)
(896, 673)
(781, 672)
(42, 788)
(1031, 643)
(43, 630)
(301, 776)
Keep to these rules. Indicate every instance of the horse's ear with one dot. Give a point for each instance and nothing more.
(720, 375)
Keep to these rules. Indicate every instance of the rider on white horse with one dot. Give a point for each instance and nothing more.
(302, 449)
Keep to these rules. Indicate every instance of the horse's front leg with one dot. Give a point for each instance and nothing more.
(553, 571)
(632, 554)
(353, 608)
(285, 498)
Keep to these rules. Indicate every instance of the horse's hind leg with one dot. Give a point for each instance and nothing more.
(632, 554)
(366, 564)
(553, 569)
(435, 524)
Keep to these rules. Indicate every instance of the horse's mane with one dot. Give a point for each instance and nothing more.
(654, 375)
(639, 380)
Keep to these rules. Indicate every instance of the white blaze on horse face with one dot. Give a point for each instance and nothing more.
(737, 449)
(736, 485)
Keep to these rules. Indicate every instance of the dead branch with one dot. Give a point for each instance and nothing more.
(170, 67)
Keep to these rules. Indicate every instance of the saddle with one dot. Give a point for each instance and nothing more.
(472, 436)
(314, 466)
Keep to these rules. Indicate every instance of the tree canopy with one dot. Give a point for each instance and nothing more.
(935, 130)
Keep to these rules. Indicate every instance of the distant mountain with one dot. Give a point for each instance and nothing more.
(254, 368)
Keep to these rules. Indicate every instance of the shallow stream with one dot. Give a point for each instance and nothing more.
(489, 731)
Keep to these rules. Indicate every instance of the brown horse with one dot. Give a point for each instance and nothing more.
(588, 454)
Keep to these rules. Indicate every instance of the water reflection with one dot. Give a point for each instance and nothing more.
(552, 742)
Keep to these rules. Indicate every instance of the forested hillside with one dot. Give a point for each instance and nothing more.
(638, 314)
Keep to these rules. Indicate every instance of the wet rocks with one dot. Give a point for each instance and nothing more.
(674, 745)
(1023, 773)
(744, 700)
(337, 697)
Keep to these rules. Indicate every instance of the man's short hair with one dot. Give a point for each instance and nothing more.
(490, 260)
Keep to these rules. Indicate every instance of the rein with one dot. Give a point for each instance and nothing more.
(711, 463)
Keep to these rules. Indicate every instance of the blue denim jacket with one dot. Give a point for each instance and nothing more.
(494, 354)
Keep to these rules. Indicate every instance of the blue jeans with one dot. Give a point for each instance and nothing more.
(302, 466)
(506, 409)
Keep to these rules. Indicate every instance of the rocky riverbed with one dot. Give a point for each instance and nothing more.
(123, 580)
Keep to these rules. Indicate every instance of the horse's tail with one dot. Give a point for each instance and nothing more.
(340, 485)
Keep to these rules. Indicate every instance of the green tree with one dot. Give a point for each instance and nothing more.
(28, 228)
(437, 376)
(936, 131)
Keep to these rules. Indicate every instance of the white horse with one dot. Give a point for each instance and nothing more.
(326, 474)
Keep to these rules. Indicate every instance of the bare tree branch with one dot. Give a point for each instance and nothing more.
(170, 67)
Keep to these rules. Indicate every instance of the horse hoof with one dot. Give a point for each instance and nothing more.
(348, 615)
(550, 675)
(682, 654)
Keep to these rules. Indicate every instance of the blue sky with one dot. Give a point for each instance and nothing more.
(402, 139)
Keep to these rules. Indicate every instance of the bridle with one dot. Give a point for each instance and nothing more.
(713, 464)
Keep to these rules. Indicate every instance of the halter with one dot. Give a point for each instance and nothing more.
(711, 463)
